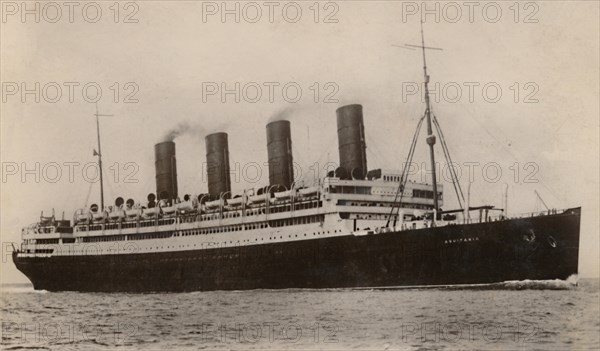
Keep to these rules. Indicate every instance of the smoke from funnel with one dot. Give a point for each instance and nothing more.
(283, 114)
(176, 131)
(187, 128)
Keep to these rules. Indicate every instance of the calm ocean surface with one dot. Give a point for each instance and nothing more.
(515, 315)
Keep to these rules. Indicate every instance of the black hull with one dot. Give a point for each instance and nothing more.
(537, 248)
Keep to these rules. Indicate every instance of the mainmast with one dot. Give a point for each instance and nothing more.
(99, 154)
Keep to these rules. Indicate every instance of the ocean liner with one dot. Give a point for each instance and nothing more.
(354, 228)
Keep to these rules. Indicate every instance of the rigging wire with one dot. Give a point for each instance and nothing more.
(404, 176)
(87, 197)
(455, 183)
(323, 160)
(110, 189)
(373, 150)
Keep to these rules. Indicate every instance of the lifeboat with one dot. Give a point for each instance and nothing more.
(213, 204)
(236, 201)
(282, 195)
(185, 206)
(169, 210)
(82, 217)
(117, 214)
(151, 212)
(98, 216)
(257, 198)
(309, 191)
(133, 212)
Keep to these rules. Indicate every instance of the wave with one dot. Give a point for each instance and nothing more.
(555, 284)
(551, 284)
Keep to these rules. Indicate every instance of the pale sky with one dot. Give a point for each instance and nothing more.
(545, 121)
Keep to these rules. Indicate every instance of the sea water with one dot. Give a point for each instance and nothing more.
(525, 315)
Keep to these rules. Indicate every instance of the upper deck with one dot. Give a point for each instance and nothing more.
(369, 199)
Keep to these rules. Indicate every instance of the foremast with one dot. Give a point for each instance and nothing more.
(431, 141)
(430, 137)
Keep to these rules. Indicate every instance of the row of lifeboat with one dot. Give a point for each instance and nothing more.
(115, 213)
(132, 210)
(258, 199)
